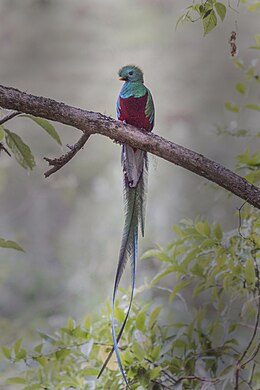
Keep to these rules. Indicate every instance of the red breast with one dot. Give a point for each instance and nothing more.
(132, 111)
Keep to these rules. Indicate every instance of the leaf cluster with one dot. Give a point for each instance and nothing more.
(206, 11)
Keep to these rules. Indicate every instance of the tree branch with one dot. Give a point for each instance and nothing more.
(96, 123)
(59, 162)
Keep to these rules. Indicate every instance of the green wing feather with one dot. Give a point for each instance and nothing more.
(149, 109)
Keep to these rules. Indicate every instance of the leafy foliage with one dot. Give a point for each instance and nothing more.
(206, 11)
(202, 330)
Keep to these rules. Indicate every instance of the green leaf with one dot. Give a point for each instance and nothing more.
(238, 63)
(42, 360)
(158, 253)
(138, 350)
(179, 343)
(203, 228)
(20, 150)
(253, 160)
(177, 288)
(232, 326)
(21, 354)
(257, 39)
(38, 348)
(209, 21)
(156, 352)
(90, 371)
(253, 106)
(10, 244)
(2, 133)
(17, 345)
(253, 177)
(119, 314)
(48, 338)
(71, 324)
(218, 231)
(87, 322)
(154, 315)
(161, 275)
(16, 380)
(249, 73)
(198, 289)
(241, 87)
(140, 320)
(232, 106)
(62, 354)
(183, 18)
(250, 272)
(248, 310)
(155, 372)
(47, 126)
(221, 10)
(7, 352)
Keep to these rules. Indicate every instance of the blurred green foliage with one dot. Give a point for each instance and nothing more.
(215, 277)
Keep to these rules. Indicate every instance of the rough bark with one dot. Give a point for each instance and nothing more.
(95, 123)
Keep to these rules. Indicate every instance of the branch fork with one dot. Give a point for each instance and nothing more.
(59, 162)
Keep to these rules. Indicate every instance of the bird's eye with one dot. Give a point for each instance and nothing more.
(131, 73)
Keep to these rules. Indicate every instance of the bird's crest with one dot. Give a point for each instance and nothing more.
(131, 73)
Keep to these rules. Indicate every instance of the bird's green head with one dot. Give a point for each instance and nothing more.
(131, 73)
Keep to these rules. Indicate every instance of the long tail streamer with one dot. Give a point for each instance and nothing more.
(134, 209)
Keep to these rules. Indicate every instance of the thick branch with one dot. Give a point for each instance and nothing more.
(95, 123)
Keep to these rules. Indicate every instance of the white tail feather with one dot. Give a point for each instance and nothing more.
(133, 164)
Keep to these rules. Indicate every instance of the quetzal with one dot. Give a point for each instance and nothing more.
(135, 107)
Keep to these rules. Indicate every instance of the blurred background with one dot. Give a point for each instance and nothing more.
(71, 223)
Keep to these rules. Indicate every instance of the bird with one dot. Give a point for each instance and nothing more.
(135, 107)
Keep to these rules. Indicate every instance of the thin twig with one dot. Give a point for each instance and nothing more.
(251, 340)
(170, 377)
(252, 374)
(4, 149)
(240, 219)
(240, 364)
(2, 121)
(9, 116)
(59, 162)
(199, 378)
(161, 384)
